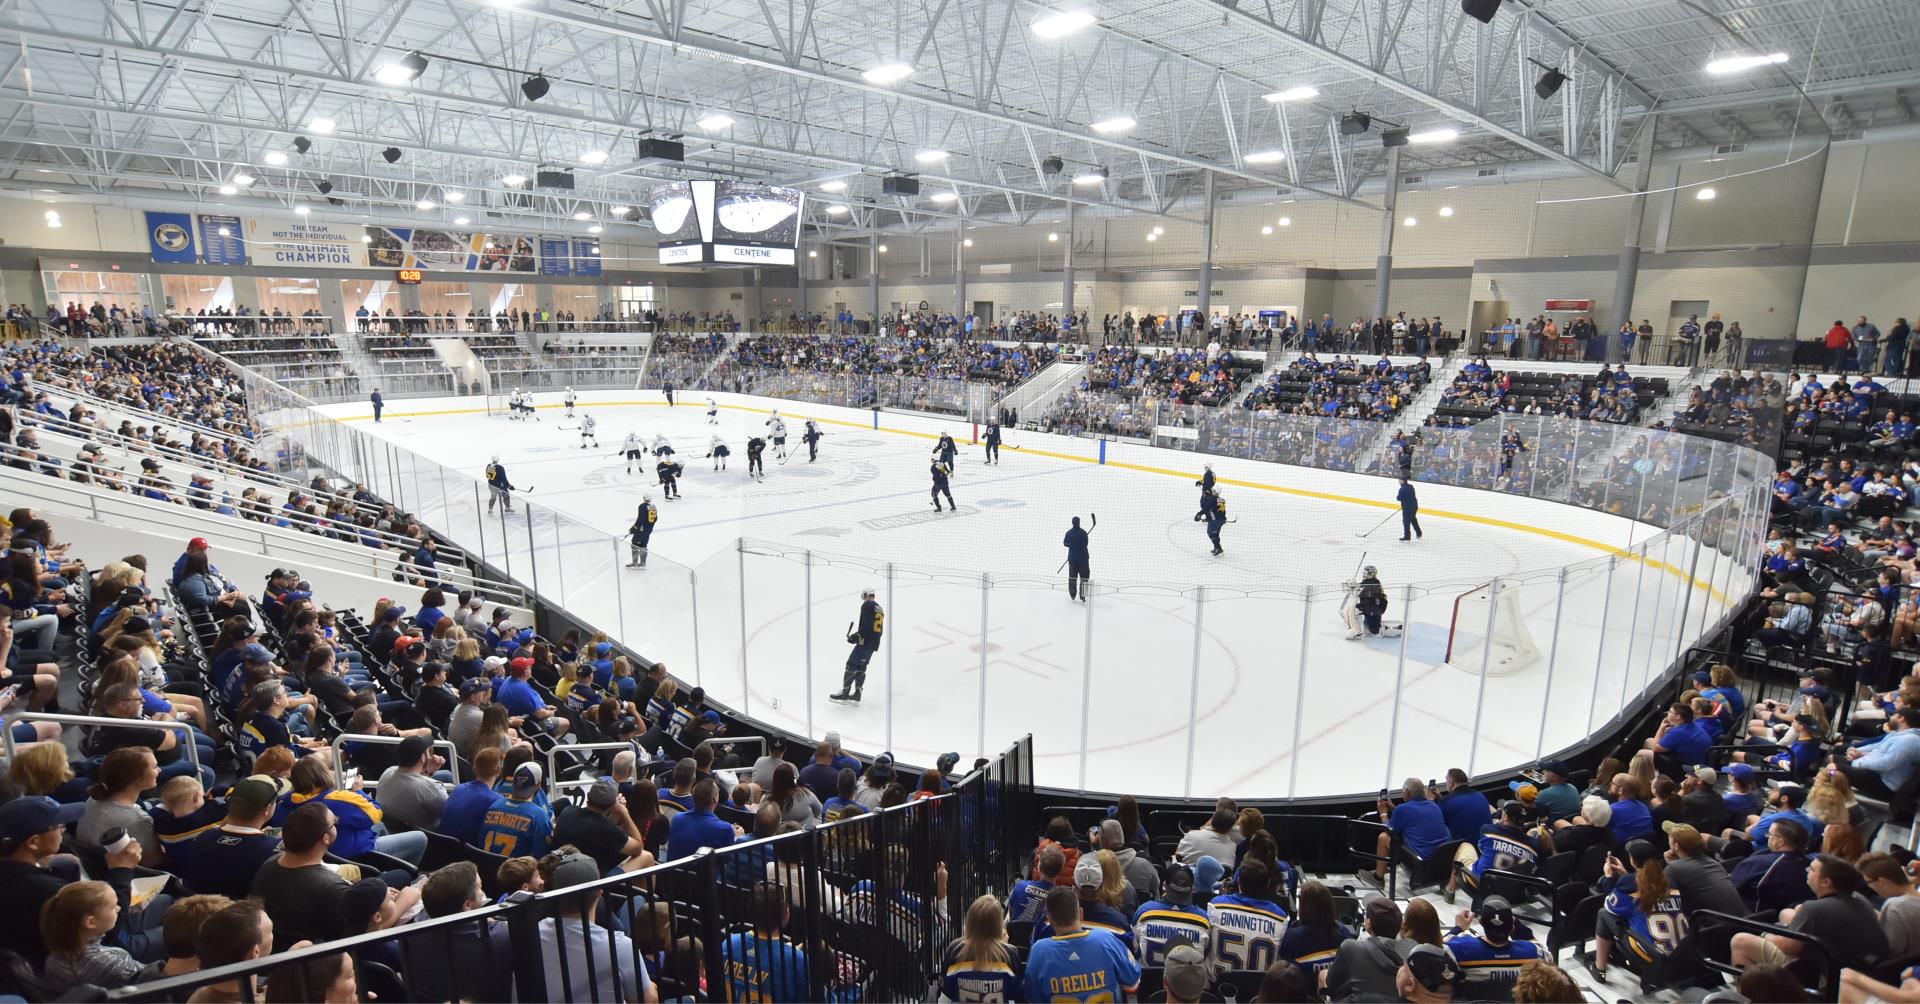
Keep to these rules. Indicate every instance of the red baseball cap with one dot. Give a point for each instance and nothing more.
(521, 663)
(198, 544)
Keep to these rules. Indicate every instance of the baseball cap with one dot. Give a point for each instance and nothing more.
(1177, 887)
(1559, 767)
(947, 762)
(198, 544)
(1496, 915)
(1514, 808)
(520, 662)
(833, 739)
(251, 796)
(1382, 914)
(882, 764)
(404, 642)
(468, 688)
(476, 603)
(712, 717)
(1707, 774)
(255, 652)
(574, 869)
(1743, 771)
(1811, 723)
(1527, 794)
(527, 779)
(394, 613)
(280, 785)
(1433, 967)
(27, 817)
(602, 795)
(1683, 836)
(1701, 676)
(412, 748)
(1086, 874)
(604, 648)
(495, 662)
(1186, 971)
(361, 901)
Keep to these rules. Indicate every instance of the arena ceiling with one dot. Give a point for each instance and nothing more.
(151, 101)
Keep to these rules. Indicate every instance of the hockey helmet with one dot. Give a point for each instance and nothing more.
(495, 459)
(646, 496)
(867, 593)
(1369, 572)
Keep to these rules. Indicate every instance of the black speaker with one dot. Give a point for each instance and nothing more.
(1549, 83)
(1480, 10)
(391, 154)
(553, 179)
(1393, 137)
(325, 187)
(302, 144)
(535, 87)
(650, 148)
(899, 185)
(1052, 166)
(1355, 123)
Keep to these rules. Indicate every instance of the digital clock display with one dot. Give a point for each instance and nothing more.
(407, 275)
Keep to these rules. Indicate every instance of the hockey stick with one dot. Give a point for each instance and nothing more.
(1376, 527)
(1093, 520)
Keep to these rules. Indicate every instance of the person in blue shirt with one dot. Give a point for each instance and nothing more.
(1785, 803)
(1681, 743)
(1467, 811)
(1886, 766)
(1506, 844)
(1078, 963)
(1804, 752)
(1247, 924)
(1418, 821)
(760, 965)
(1027, 903)
(603, 663)
(1087, 879)
(1315, 935)
(1642, 910)
(1160, 924)
(467, 805)
(1631, 816)
(1743, 797)
(517, 695)
(1491, 960)
(517, 824)
(699, 827)
(980, 965)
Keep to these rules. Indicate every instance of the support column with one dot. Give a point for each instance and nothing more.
(1628, 271)
(873, 281)
(1383, 265)
(1205, 303)
(800, 279)
(960, 276)
(755, 305)
(1066, 279)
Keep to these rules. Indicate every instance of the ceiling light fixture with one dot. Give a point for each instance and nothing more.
(1157, 231)
(887, 73)
(1266, 157)
(535, 87)
(594, 158)
(1443, 135)
(513, 180)
(1446, 210)
(274, 158)
(1705, 194)
(423, 205)
(1118, 123)
(1549, 83)
(943, 197)
(813, 254)
(1053, 237)
(1091, 176)
(1286, 221)
(461, 221)
(833, 186)
(1063, 23)
(1153, 237)
(302, 210)
(619, 210)
(414, 64)
(583, 216)
(967, 243)
(243, 179)
(1266, 231)
(322, 126)
(596, 228)
(930, 156)
(453, 195)
(883, 249)
(394, 75)
(229, 190)
(1735, 64)
(1304, 92)
(714, 121)
(1409, 221)
(837, 210)
(325, 187)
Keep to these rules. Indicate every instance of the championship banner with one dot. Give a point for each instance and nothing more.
(586, 257)
(223, 240)
(170, 237)
(554, 256)
(277, 242)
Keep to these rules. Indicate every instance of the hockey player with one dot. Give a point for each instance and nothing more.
(718, 451)
(993, 441)
(777, 431)
(641, 532)
(713, 412)
(667, 388)
(635, 454)
(1078, 565)
(1205, 484)
(865, 638)
(661, 446)
(944, 450)
(940, 472)
(669, 473)
(1366, 602)
(811, 437)
(1213, 509)
(587, 425)
(1409, 510)
(570, 397)
(513, 405)
(498, 487)
(755, 465)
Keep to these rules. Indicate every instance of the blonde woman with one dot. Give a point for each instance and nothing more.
(42, 769)
(1114, 890)
(465, 661)
(980, 965)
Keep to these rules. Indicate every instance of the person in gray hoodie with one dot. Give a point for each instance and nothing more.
(1140, 873)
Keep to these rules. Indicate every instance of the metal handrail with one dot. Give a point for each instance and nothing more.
(553, 759)
(340, 741)
(186, 730)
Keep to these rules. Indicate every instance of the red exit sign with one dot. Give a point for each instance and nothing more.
(1569, 304)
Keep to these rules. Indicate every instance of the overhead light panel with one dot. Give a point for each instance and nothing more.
(596, 228)
(930, 156)
(302, 210)
(837, 210)
(583, 216)
(1153, 237)
(453, 195)
(1063, 23)
(274, 158)
(1393, 137)
(1549, 83)
(229, 190)
(323, 126)
(714, 121)
(619, 210)
(1157, 231)
(1409, 221)
(1705, 194)
(594, 158)
(813, 254)
(1434, 136)
(1305, 92)
(1266, 157)
(887, 73)
(423, 205)
(967, 243)
(1737, 64)
(394, 75)
(1091, 176)
(513, 180)
(883, 249)
(943, 197)
(1286, 221)
(1446, 210)
(391, 155)
(833, 186)
(461, 221)
(1266, 231)
(535, 87)
(1118, 123)
(243, 179)
(1053, 236)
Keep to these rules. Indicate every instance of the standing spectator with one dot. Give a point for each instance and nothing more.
(1839, 343)
(1866, 345)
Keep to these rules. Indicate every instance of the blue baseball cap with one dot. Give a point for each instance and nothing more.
(27, 817)
(255, 652)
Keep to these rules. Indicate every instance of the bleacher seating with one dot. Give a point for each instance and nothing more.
(1340, 387)
(1611, 395)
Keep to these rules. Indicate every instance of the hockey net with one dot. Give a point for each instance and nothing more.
(1485, 619)
(497, 406)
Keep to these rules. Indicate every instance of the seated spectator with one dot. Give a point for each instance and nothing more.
(410, 796)
(74, 925)
(357, 817)
(223, 860)
(1839, 915)
(124, 701)
(239, 933)
(1143, 879)
(1247, 924)
(468, 961)
(465, 811)
(1087, 879)
(182, 926)
(1491, 959)
(1466, 810)
(1885, 767)
(797, 803)
(1217, 839)
(1769, 881)
(296, 887)
(1642, 911)
(1558, 799)
(519, 823)
(1430, 975)
(1315, 934)
(1076, 961)
(980, 964)
(1632, 818)
(584, 960)
(1162, 923)
(1417, 820)
(1696, 875)
(437, 697)
(184, 813)
(1367, 967)
(114, 803)
(1787, 802)
(699, 827)
(1681, 743)
(1509, 843)
(1899, 904)
(601, 829)
(1028, 902)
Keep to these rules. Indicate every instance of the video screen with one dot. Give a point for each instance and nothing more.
(746, 213)
(671, 207)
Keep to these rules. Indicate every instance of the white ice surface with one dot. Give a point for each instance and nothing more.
(1362, 716)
